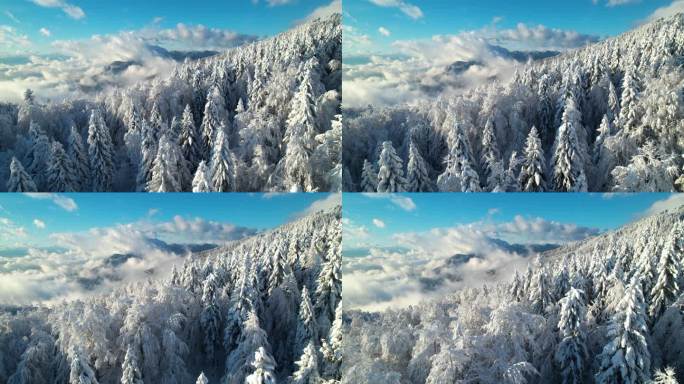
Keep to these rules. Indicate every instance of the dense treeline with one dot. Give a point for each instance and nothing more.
(608, 117)
(261, 117)
(261, 310)
(606, 310)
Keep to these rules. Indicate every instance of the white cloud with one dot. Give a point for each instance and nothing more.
(384, 31)
(45, 32)
(84, 66)
(330, 201)
(11, 16)
(408, 9)
(11, 232)
(40, 224)
(71, 10)
(379, 223)
(441, 260)
(275, 3)
(616, 3)
(676, 7)
(323, 11)
(403, 202)
(66, 203)
(102, 259)
(672, 202)
(12, 39)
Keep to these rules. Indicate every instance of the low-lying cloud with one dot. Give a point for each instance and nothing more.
(101, 259)
(440, 261)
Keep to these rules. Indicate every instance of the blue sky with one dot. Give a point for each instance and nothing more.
(414, 213)
(65, 22)
(411, 20)
(70, 213)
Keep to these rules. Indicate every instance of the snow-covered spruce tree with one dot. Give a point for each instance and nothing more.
(665, 376)
(210, 318)
(80, 371)
(628, 119)
(175, 351)
(369, 177)
(188, 140)
(571, 352)
(214, 121)
(626, 358)
(328, 292)
(668, 273)
(300, 136)
(567, 159)
(239, 360)
(100, 153)
(79, 160)
(148, 150)
(417, 177)
(131, 372)
(222, 165)
(201, 379)
(307, 328)
(35, 365)
(60, 177)
(532, 176)
(648, 171)
(459, 175)
(38, 156)
(264, 366)
(307, 367)
(19, 180)
(166, 175)
(331, 349)
(390, 170)
(201, 182)
(490, 155)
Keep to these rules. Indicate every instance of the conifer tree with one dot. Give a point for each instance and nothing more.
(100, 153)
(390, 170)
(201, 181)
(307, 367)
(189, 140)
(567, 159)
(532, 176)
(59, 173)
(459, 175)
(418, 179)
(666, 288)
(626, 358)
(571, 352)
(369, 177)
(19, 180)
(79, 160)
(222, 165)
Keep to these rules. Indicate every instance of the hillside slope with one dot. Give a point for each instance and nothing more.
(608, 117)
(607, 310)
(259, 117)
(264, 307)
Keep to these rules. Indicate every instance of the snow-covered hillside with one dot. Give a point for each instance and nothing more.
(261, 310)
(608, 117)
(260, 117)
(607, 310)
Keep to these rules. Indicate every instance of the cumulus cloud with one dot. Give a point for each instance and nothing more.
(10, 232)
(421, 68)
(62, 201)
(40, 224)
(441, 260)
(384, 31)
(330, 201)
(676, 7)
(410, 10)
(80, 67)
(71, 10)
(45, 32)
(101, 259)
(674, 201)
(615, 3)
(335, 6)
(13, 39)
(379, 223)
